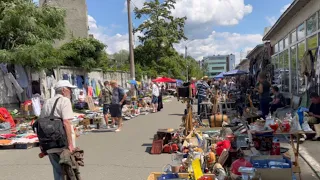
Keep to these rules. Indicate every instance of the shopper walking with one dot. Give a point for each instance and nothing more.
(155, 96)
(117, 101)
(54, 128)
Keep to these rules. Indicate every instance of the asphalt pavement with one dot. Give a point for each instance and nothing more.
(108, 155)
(121, 155)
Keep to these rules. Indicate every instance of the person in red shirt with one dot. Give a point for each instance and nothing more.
(193, 87)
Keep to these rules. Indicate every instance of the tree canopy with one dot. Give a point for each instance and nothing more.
(87, 53)
(27, 33)
(155, 56)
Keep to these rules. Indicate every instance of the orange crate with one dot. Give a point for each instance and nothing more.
(157, 146)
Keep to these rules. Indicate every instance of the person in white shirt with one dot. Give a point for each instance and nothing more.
(155, 95)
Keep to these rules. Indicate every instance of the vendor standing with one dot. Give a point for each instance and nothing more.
(264, 92)
(314, 111)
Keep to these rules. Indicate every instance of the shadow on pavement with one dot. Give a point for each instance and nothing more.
(176, 114)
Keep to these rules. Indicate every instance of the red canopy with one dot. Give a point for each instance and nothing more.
(164, 80)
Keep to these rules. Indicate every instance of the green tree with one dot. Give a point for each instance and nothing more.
(86, 53)
(121, 59)
(161, 29)
(156, 55)
(28, 32)
(204, 68)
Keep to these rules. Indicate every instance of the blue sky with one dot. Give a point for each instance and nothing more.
(215, 26)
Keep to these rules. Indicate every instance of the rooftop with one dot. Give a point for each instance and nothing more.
(258, 47)
(295, 7)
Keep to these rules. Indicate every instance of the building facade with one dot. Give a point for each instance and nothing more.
(294, 33)
(219, 63)
(243, 65)
(76, 18)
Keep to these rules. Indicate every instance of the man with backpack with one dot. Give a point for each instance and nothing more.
(118, 100)
(54, 127)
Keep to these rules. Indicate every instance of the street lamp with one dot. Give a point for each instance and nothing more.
(185, 56)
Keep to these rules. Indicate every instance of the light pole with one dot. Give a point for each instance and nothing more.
(185, 57)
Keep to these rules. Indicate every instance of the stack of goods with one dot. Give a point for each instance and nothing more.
(220, 153)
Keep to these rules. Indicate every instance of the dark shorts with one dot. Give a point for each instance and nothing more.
(154, 100)
(115, 110)
(106, 108)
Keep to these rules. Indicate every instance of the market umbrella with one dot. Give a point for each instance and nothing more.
(235, 73)
(164, 80)
(219, 76)
(134, 82)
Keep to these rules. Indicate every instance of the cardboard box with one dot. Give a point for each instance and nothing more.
(274, 174)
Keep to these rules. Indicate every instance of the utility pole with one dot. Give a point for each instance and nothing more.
(132, 69)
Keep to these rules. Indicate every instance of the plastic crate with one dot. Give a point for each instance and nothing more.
(157, 146)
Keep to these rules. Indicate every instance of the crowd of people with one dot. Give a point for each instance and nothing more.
(112, 97)
(269, 97)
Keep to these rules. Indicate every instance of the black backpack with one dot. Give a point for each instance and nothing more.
(50, 131)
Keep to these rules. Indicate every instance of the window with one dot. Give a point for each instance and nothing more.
(294, 77)
(318, 19)
(276, 48)
(301, 32)
(275, 63)
(293, 36)
(312, 43)
(312, 24)
(218, 63)
(217, 68)
(286, 42)
(301, 82)
(285, 72)
(280, 45)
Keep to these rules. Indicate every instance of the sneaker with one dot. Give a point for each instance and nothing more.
(117, 130)
(113, 126)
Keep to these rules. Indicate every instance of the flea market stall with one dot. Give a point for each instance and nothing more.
(230, 146)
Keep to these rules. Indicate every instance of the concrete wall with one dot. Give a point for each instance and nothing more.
(76, 19)
(121, 77)
(304, 14)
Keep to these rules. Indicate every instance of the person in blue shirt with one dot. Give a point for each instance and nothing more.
(202, 89)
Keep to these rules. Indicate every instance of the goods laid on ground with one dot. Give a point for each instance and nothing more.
(16, 128)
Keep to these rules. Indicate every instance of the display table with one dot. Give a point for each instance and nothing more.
(155, 175)
(295, 147)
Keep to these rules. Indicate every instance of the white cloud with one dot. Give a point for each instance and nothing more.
(204, 14)
(284, 8)
(135, 3)
(271, 20)
(226, 12)
(221, 43)
(215, 43)
(115, 43)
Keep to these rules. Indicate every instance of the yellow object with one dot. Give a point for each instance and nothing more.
(198, 150)
(98, 90)
(196, 166)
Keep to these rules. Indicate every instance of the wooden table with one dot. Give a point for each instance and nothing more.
(298, 134)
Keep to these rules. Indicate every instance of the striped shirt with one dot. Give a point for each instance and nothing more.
(202, 88)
